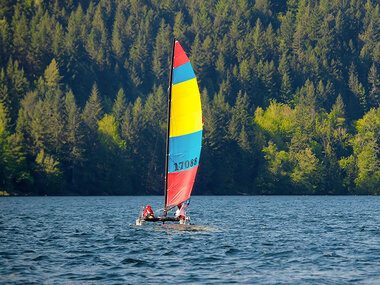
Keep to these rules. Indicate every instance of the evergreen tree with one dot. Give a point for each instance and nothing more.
(20, 34)
(93, 111)
(137, 60)
(15, 86)
(4, 133)
(259, 40)
(120, 105)
(118, 37)
(371, 36)
(374, 87)
(14, 172)
(5, 40)
(357, 88)
(161, 58)
(58, 42)
(96, 45)
(286, 32)
(74, 139)
(51, 75)
(179, 28)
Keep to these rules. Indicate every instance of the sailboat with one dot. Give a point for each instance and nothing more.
(184, 135)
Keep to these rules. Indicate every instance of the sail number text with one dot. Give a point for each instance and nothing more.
(188, 163)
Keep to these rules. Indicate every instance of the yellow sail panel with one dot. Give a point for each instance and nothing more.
(187, 124)
(185, 98)
(186, 112)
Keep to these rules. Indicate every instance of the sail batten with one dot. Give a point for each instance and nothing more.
(185, 131)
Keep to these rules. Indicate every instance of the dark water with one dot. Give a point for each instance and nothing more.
(264, 240)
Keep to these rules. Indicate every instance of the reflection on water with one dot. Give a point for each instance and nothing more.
(265, 240)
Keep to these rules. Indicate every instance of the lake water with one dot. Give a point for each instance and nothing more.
(256, 239)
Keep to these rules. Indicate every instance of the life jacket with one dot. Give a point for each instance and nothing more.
(148, 212)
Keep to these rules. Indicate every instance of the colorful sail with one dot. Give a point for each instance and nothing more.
(185, 134)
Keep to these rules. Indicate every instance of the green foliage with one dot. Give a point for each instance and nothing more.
(278, 121)
(282, 84)
(366, 147)
(14, 174)
(303, 149)
(109, 134)
(49, 173)
(306, 173)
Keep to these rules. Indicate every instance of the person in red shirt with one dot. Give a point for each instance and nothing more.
(148, 213)
(181, 211)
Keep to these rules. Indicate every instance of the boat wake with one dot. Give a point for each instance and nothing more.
(187, 228)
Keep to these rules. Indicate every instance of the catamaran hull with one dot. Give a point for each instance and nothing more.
(140, 221)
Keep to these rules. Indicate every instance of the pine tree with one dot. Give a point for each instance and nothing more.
(96, 44)
(119, 41)
(270, 39)
(58, 41)
(16, 86)
(51, 75)
(179, 28)
(20, 34)
(13, 165)
(286, 89)
(5, 40)
(137, 60)
(120, 105)
(161, 58)
(259, 40)
(264, 7)
(374, 87)
(74, 133)
(220, 64)
(245, 73)
(357, 88)
(4, 121)
(4, 97)
(201, 21)
(93, 111)
(240, 116)
(371, 36)
(267, 77)
(286, 32)
(73, 34)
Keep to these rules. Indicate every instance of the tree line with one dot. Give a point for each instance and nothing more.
(290, 95)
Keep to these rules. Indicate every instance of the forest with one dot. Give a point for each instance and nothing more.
(290, 95)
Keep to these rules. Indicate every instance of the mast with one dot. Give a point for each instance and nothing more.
(168, 130)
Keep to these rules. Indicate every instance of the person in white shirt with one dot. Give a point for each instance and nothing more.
(181, 211)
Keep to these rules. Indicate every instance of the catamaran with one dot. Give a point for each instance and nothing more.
(184, 137)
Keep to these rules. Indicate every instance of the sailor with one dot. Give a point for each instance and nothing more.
(181, 211)
(148, 213)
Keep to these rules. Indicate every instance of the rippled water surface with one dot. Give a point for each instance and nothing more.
(264, 240)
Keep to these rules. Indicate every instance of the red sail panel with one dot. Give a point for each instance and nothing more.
(180, 56)
(180, 185)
